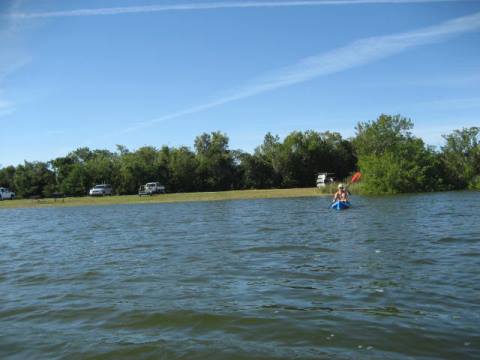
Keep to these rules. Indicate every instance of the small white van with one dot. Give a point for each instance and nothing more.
(101, 190)
(151, 188)
(6, 194)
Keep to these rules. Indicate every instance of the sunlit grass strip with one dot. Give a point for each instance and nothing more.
(168, 198)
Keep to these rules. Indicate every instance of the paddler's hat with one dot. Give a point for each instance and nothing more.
(340, 186)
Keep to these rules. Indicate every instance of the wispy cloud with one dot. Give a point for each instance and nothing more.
(11, 56)
(358, 53)
(211, 6)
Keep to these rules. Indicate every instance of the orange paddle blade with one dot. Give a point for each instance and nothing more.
(356, 177)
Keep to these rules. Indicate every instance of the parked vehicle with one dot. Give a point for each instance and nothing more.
(324, 178)
(6, 194)
(151, 188)
(101, 190)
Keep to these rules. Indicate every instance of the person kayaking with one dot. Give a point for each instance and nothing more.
(341, 194)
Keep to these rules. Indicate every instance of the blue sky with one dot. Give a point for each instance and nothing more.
(153, 72)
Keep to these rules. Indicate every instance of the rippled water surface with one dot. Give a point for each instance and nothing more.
(391, 278)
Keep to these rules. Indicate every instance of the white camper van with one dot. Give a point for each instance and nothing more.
(324, 178)
(6, 194)
(151, 188)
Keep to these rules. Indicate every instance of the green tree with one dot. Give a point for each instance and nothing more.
(147, 164)
(102, 168)
(34, 179)
(62, 167)
(81, 155)
(162, 166)
(182, 169)
(461, 158)
(7, 177)
(255, 172)
(391, 159)
(268, 159)
(300, 157)
(77, 181)
(216, 168)
(308, 153)
(83, 168)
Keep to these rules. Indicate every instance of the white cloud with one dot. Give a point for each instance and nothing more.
(11, 59)
(358, 53)
(211, 6)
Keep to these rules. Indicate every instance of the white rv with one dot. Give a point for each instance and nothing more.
(324, 178)
(6, 194)
(151, 188)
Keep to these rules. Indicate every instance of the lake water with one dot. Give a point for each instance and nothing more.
(392, 278)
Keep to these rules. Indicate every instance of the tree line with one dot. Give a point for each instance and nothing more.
(390, 158)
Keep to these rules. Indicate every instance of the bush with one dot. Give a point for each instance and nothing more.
(391, 159)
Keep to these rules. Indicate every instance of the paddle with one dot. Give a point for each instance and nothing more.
(355, 178)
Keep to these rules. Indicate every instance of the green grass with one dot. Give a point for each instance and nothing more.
(168, 198)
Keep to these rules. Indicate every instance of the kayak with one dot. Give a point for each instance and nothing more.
(340, 205)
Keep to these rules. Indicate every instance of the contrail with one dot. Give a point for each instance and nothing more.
(12, 57)
(358, 53)
(210, 6)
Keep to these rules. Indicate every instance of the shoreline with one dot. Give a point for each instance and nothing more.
(162, 198)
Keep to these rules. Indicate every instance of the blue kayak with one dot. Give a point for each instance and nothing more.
(340, 205)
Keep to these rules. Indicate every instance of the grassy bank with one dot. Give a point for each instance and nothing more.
(166, 198)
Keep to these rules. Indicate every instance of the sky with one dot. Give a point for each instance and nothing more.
(98, 73)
